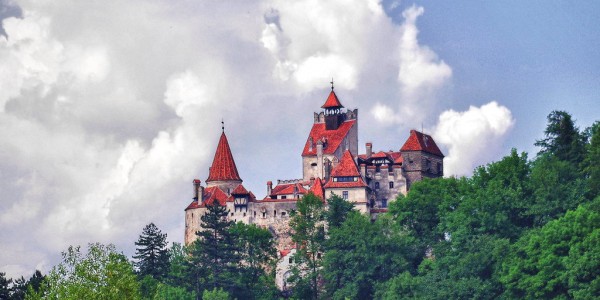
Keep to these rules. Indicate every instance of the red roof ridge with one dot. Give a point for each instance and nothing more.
(332, 101)
(346, 167)
(240, 190)
(418, 141)
(223, 166)
(317, 188)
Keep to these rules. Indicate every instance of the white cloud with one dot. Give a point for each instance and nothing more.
(109, 109)
(473, 137)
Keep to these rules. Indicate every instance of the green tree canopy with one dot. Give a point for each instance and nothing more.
(101, 273)
(308, 232)
(214, 257)
(559, 260)
(563, 138)
(152, 256)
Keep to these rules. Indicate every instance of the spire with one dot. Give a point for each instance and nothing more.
(223, 166)
(332, 101)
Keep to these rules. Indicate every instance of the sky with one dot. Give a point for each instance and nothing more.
(109, 109)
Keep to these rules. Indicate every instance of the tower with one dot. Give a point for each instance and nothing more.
(223, 173)
(332, 133)
(421, 158)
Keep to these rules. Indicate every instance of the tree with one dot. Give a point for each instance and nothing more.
(256, 251)
(215, 294)
(559, 260)
(178, 276)
(361, 253)
(152, 257)
(308, 232)
(165, 291)
(337, 211)
(5, 283)
(592, 161)
(563, 138)
(101, 273)
(213, 260)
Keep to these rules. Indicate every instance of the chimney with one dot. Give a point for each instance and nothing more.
(269, 187)
(320, 159)
(369, 149)
(196, 188)
(312, 181)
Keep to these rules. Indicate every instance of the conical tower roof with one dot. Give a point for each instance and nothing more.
(223, 167)
(332, 101)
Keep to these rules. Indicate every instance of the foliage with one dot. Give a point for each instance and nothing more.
(5, 289)
(308, 225)
(563, 138)
(256, 252)
(213, 259)
(559, 260)
(592, 161)
(215, 294)
(337, 210)
(168, 292)
(101, 273)
(152, 257)
(361, 253)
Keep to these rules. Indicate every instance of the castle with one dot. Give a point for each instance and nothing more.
(330, 165)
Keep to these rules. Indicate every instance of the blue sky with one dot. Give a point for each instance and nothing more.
(532, 56)
(109, 109)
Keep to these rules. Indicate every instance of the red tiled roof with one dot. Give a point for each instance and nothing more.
(379, 154)
(288, 189)
(379, 210)
(333, 138)
(346, 167)
(211, 194)
(418, 141)
(338, 184)
(240, 190)
(223, 166)
(332, 101)
(317, 189)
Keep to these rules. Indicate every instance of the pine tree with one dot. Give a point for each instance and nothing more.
(563, 139)
(213, 260)
(4, 286)
(151, 253)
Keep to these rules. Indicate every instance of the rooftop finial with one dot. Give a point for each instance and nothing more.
(331, 83)
(222, 125)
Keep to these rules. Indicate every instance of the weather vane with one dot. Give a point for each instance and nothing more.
(331, 83)
(222, 125)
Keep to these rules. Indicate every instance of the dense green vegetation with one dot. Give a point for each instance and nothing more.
(518, 228)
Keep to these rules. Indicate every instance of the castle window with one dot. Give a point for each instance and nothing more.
(264, 214)
(378, 168)
(376, 184)
(284, 197)
(290, 260)
(345, 195)
(283, 213)
(345, 179)
(255, 213)
(244, 214)
(232, 214)
(274, 213)
(384, 203)
(391, 184)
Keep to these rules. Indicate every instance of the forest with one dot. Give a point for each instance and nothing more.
(521, 227)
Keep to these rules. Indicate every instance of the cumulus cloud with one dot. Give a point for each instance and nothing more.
(473, 137)
(109, 109)
(421, 74)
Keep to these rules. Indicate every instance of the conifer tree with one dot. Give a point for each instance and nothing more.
(152, 257)
(4, 286)
(213, 257)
